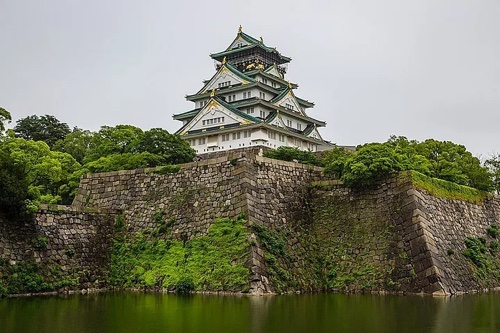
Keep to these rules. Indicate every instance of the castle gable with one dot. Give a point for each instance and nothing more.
(225, 77)
(216, 114)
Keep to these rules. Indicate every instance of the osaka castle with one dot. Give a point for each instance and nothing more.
(249, 102)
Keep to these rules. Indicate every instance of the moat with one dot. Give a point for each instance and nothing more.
(152, 312)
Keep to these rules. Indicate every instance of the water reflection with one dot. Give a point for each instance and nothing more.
(137, 312)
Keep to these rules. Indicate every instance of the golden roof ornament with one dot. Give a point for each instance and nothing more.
(212, 94)
(289, 85)
(224, 60)
(239, 29)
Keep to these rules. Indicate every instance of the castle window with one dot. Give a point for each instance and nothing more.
(225, 137)
(236, 136)
(244, 95)
(249, 94)
(289, 123)
(271, 135)
(289, 106)
(247, 134)
(224, 84)
(201, 141)
(262, 95)
(250, 110)
(299, 127)
(262, 114)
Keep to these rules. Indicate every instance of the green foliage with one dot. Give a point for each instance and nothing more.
(184, 286)
(126, 161)
(125, 147)
(70, 252)
(168, 169)
(447, 190)
(45, 128)
(76, 143)
(46, 172)
(170, 147)
(212, 262)
(374, 162)
(41, 243)
(452, 162)
(493, 164)
(119, 222)
(27, 276)
(276, 257)
(116, 140)
(14, 189)
(272, 241)
(370, 164)
(289, 154)
(4, 117)
(492, 230)
(334, 161)
(476, 251)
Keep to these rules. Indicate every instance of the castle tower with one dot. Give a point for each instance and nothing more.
(248, 103)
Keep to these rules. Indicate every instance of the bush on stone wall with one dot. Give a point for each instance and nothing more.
(445, 160)
(289, 154)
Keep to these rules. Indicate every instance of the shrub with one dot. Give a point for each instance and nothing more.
(41, 243)
(184, 286)
(168, 169)
(289, 154)
(119, 222)
(493, 230)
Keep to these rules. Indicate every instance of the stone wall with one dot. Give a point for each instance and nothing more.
(238, 183)
(397, 237)
(443, 226)
(74, 241)
(306, 232)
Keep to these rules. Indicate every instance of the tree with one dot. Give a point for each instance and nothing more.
(77, 144)
(109, 140)
(452, 162)
(126, 139)
(440, 159)
(334, 161)
(45, 128)
(4, 117)
(493, 164)
(170, 147)
(14, 191)
(369, 164)
(47, 172)
(125, 161)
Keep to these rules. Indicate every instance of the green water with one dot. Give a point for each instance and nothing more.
(137, 312)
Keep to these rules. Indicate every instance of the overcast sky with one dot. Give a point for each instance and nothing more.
(422, 69)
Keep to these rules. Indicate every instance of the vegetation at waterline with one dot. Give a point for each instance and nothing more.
(484, 253)
(28, 277)
(214, 262)
(42, 159)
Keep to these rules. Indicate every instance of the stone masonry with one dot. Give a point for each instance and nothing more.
(399, 235)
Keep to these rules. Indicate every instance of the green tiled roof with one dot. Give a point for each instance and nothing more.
(235, 110)
(252, 43)
(300, 100)
(187, 114)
